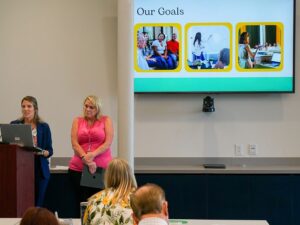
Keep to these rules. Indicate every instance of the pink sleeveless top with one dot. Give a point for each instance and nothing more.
(90, 138)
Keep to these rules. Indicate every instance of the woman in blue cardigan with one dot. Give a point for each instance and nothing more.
(42, 138)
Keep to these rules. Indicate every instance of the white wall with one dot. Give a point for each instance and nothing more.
(59, 51)
(175, 126)
(62, 50)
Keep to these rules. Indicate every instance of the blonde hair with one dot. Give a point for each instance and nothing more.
(96, 102)
(119, 176)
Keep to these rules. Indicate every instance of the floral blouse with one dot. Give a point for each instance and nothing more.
(103, 210)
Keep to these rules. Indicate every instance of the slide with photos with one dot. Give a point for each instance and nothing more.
(196, 46)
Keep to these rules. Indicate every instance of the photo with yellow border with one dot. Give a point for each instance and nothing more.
(157, 47)
(259, 47)
(208, 47)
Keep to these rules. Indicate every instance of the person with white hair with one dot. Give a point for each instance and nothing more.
(141, 59)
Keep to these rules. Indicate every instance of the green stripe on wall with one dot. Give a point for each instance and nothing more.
(266, 84)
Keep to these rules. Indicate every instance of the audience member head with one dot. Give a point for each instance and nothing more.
(224, 56)
(120, 177)
(38, 216)
(149, 201)
(244, 38)
(91, 107)
(30, 109)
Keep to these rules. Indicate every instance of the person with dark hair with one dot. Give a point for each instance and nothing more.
(147, 53)
(224, 59)
(38, 216)
(149, 205)
(112, 205)
(147, 48)
(42, 138)
(198, 47)
(160, 53)
(245, 54)
(173, 49)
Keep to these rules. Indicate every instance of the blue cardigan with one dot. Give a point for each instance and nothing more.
(44, 141)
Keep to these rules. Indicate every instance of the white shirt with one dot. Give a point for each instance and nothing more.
(198, 48)
(244, 58)
(161, 46)
(153, 221)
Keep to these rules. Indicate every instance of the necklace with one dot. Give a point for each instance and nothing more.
(34, 132)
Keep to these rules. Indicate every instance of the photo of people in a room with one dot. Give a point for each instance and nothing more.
(259, 47)
(208, 47)
(158, 48)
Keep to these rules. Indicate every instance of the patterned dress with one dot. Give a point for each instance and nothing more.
(102, 209)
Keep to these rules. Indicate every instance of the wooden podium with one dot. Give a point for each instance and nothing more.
(16, 180)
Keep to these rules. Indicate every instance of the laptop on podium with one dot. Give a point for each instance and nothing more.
(19, 134)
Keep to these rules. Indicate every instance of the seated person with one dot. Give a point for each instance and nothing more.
(112, 205)
(148, 48)
(224, 59)
(149, 205)
(141, 58)
(38, 216)
(163, 61)
(173, 49)
(144, 52)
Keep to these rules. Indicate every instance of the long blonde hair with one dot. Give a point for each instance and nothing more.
(119, 176)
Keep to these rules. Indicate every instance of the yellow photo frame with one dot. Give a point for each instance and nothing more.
(175, 27)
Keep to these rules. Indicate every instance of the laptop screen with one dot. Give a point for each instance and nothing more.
(276, 57)
(20, 134)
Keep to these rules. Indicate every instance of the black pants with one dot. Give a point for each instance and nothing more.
(82, 193)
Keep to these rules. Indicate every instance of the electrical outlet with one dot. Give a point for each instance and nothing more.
(252, 149)
(238, 150)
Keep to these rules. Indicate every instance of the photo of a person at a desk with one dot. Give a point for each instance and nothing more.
(245, 53)
(263, 55)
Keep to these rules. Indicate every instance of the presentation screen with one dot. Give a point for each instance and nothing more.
(220, 46)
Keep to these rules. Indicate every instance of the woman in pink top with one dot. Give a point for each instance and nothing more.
(91, 138)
